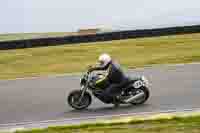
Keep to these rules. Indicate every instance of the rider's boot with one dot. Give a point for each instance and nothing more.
(116, 102)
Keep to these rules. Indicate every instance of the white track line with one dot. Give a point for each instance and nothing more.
(96, 117)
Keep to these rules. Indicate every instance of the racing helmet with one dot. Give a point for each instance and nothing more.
(104, 59)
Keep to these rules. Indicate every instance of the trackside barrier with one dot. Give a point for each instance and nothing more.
(53, 41)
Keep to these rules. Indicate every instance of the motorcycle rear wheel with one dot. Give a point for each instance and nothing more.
(144, 98)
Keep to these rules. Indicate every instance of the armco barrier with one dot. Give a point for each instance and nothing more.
(53, 41)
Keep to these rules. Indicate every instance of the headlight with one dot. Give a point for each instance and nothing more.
(82, 81)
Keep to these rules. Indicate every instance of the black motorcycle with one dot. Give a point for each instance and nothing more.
(135, 91)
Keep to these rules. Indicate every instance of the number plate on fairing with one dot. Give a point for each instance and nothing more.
(138, 84)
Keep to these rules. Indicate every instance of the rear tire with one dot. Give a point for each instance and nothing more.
(144, 98)
(73, 98)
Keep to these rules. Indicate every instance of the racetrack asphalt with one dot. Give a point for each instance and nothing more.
(39, 99)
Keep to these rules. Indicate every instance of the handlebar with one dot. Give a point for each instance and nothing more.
(88, 72)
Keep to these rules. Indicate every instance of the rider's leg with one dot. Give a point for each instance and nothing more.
(110, 92)
(115, 89)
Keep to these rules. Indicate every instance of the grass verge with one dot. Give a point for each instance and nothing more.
(164, 124)
(75, 58)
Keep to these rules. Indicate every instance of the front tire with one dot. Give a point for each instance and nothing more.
(73, 99)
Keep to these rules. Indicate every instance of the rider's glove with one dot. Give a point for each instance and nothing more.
(90, 68)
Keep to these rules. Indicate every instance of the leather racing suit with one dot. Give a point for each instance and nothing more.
(116, 78)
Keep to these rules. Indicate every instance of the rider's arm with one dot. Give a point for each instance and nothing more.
(98, 67)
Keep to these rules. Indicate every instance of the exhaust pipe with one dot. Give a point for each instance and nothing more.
(134, 97)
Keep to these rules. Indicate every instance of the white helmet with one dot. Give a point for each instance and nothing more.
(104, 59)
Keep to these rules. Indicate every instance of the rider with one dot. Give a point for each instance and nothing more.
(114, 76)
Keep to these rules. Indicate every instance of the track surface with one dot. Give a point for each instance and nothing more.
(27, 100)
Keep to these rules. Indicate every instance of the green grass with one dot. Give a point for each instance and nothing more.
(174, 125)
(19, 36)
(131, 53)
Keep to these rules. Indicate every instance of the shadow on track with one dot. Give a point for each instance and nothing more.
(109, 110)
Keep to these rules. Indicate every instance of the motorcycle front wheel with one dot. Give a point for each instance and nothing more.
(74, 102)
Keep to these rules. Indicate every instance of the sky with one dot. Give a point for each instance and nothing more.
(19, 16)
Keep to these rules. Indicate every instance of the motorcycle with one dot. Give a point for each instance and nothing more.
(135, 92)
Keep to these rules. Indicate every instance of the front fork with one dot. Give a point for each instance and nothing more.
(83, 89)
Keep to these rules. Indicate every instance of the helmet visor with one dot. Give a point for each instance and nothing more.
(101, 63)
